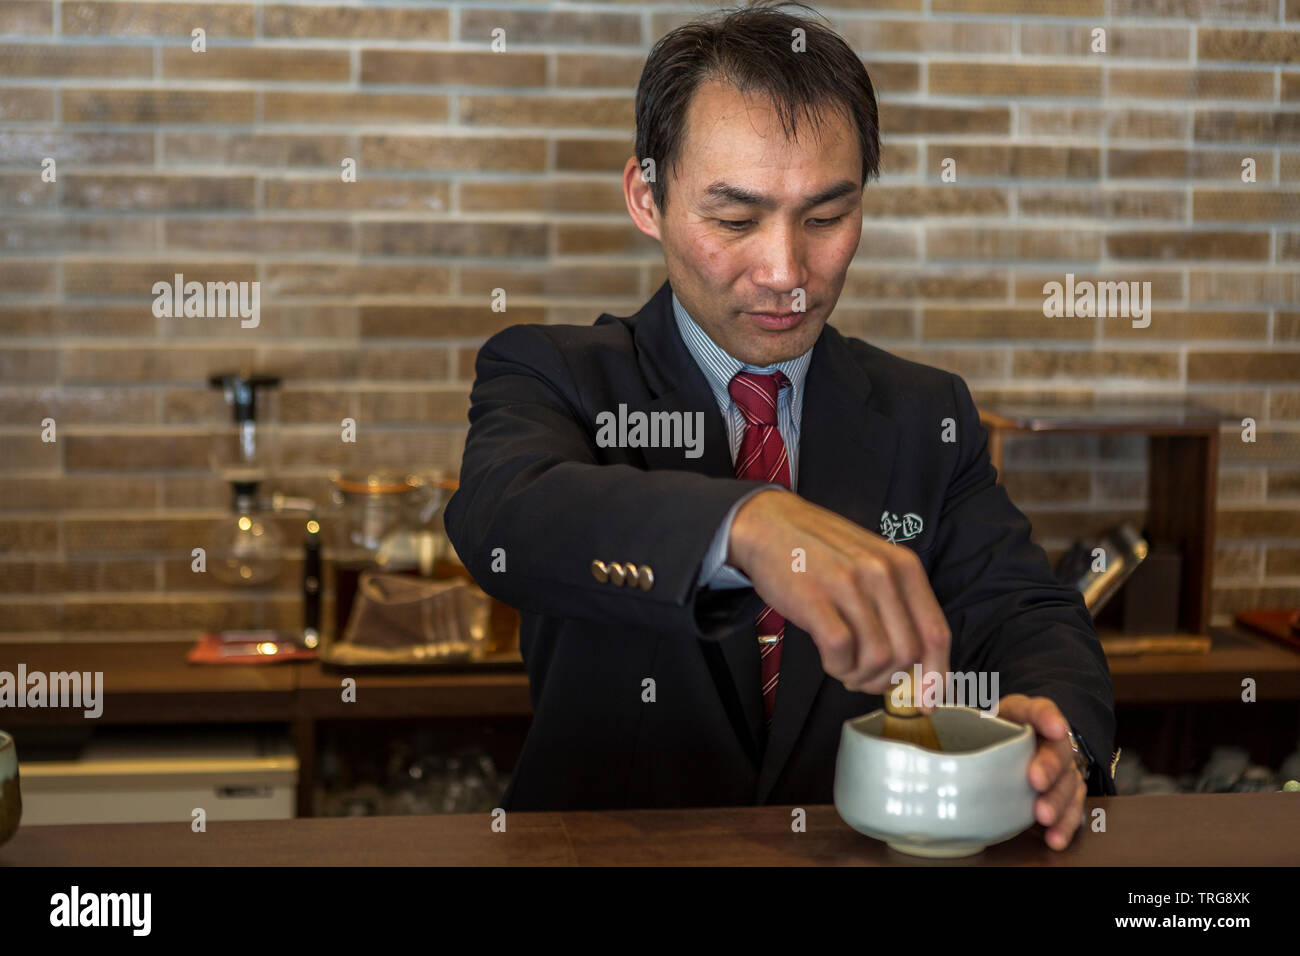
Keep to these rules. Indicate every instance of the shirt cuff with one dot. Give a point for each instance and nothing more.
(714, 571)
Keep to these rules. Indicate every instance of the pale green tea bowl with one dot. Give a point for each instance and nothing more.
(918, 801)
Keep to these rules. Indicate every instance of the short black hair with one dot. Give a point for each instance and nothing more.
(751, 48)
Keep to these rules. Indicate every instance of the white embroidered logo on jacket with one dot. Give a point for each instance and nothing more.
(890, 526)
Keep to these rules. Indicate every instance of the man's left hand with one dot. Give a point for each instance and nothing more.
(1052, 771)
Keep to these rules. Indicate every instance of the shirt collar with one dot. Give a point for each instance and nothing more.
(720, 367)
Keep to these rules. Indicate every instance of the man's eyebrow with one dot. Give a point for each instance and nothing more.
(724, 193)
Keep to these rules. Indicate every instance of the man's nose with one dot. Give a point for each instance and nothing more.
(780, 259)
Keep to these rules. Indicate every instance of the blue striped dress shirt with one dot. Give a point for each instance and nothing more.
(719, 368)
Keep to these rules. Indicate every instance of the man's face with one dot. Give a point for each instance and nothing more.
(752, 217)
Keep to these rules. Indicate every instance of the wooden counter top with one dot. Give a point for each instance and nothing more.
(1249, 829)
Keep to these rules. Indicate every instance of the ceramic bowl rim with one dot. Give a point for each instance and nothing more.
(1023, 731)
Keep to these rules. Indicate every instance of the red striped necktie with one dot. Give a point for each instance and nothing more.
(762, 457)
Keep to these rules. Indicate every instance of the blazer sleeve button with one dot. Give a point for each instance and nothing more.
(616, 573)
(646, 577)
(599, 571)
(633, 574)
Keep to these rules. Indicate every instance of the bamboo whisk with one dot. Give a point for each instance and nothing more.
(905, 722)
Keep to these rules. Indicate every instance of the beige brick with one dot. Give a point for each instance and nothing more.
(612, 112)
(27, 18)
(371, 194)
(1246, 287)
(74, 320)
(1048, 8)
(1217, 164)
(903, 119)
(927, 36)
(1288, 249)
(1240, 562)
(1179, 326)
(26, 275)
(1247, 203)
(1100, 363)
(594, 239)
(46, 576)
(582, 154)
(569, 196)
(134, 453)
(396, 23)
(165, 20)
(615, 28)
(1117, 123)
(888, 77)
(26, 105)
(77, 406)
(139, 193)
(16, 618)
(944, 200)
(316, 279)
(258, 235)
(1196, 9)
(896, 283)
(1000, 322)
(1192, 84)
(1271, 444)
(1264, 127)
(478, 153)
(91, 276)
(560, 280)
(28, 365)
(899, 158)
(1013, 79)
(962, 242)
(1283, 483)
(441, 321)
(25, 191)
(1165, 286)
(256, 149)
(876, 325)
(32, 234)
(1015, 161)
(1286, 326)
(157, 106)
(1107, 202)
(1122, 42)
(970, 364)
(1282, 561)
(449, 67)
(279, 106)
(1270, 46)
(80, 61)
(1049, 485)
(257, 63)
(171, 612)
(449, 405)
(1189, 245)
(141, 365)
(30, 147)
(1243, 366)
(1258, 523)
(453, 238)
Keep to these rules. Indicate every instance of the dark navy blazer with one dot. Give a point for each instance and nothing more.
(540, 500)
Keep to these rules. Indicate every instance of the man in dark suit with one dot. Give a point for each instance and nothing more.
(727, 525)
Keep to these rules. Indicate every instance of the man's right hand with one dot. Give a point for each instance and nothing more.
(866, 603)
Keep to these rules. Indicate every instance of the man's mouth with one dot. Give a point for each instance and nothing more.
(778, 321)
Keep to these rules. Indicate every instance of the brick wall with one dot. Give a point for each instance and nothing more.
(480, 170)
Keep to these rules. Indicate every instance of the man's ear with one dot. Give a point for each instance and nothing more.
(640, 200)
